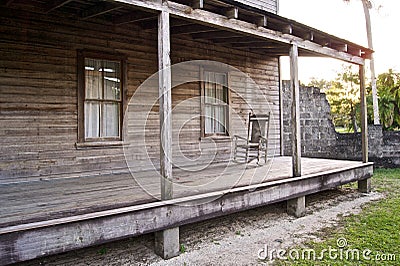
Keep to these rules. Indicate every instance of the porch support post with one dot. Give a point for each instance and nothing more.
(364, 127)
(294, 85)
(364, 185)
(296, 206)
(166, 241)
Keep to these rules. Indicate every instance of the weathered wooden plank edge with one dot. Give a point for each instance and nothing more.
(183, 200)
(41, 241)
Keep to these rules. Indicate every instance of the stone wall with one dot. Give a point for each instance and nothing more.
(319, 138)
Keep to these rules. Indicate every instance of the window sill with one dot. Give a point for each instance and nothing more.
(98, 144)
(217, 138)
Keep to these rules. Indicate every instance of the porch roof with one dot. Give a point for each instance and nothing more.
(219, 22)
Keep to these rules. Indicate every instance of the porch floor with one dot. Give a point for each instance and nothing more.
(56, 198)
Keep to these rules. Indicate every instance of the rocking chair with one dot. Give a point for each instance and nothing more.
(255, 145)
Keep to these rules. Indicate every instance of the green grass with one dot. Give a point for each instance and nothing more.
(182, 248)
(376, 228)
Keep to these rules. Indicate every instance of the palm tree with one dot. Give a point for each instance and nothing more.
(366, 6)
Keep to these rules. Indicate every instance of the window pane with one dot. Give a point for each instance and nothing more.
(110, 119)
(93, 79)
(112, 80)
(92, 120)
(220, 119)
(208, 119)
(209, 85)
(216, 98)
(221, 85)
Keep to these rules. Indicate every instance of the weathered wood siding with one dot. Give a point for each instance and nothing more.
(38, 88)
(267, 5)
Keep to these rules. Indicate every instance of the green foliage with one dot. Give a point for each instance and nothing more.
(103, 251)
(182, 248)
(388, 86)
(343, 97)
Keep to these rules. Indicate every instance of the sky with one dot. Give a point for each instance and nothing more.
(346, 20)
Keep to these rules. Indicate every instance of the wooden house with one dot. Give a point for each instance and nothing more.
(95, 147)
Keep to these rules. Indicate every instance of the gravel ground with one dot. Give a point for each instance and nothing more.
(229, 240)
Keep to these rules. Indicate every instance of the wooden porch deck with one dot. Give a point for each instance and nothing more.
(48, 217)
(36, 201)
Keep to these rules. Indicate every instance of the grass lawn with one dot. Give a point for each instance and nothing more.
(374, 234)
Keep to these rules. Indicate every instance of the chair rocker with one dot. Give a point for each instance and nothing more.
(255, 145)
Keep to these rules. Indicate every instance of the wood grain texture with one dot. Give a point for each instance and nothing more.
(364, 121)
(165, 102)
(39, 94)
(27, 241)
(49, 199)
(296, 134)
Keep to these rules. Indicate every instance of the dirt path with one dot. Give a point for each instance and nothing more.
(230, 240)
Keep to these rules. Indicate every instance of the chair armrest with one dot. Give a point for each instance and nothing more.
(239, 137)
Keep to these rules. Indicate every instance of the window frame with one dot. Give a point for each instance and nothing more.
(203, 104)
(81, 56)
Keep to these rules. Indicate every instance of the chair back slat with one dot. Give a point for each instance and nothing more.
(257, 139)
(258, 126)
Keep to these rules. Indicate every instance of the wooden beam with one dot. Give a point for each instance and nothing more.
(133, 17)
(287, 29)
(99, 9)
(190, 29)
(258, 45)
(167, 240)
(236, 40)
(165, 102)
(198, 4)
(364, 126)
(283, 50)
(176, 23)
(342, 47)
(149, 24)
(241, 27)
(326, 43)
(364, 186)
(167, 243)
(261, 21)
(354, 51)
(296, 206)
(217, 34)
(232, 12)
(309, 36)
(54, 4)
(295, 87)
(281, 110)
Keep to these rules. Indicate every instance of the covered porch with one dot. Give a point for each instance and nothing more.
(72, 200)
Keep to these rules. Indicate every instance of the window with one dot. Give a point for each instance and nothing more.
(215, 104)
(101, 97)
